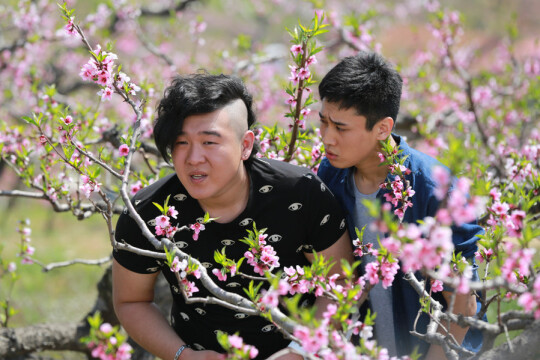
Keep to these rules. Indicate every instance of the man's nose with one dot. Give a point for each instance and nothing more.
(195, 155)
(328, 137)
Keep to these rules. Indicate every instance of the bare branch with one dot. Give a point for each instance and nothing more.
(56, 265)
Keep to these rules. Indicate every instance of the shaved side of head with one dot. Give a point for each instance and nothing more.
(238, 115)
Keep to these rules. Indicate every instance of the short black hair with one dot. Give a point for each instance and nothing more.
(194, 94)
(366, 82)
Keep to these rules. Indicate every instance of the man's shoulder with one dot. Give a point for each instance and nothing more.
(279, 171)
(420, 164)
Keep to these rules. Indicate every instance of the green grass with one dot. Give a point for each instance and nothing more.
(63, 294)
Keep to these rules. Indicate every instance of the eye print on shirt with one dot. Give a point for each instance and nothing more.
(274, 238)
(245, 222)
(325, 219)
(233, 284)
(323, 188)
(268, 328)
(265, 189)
(295, 206)
(177, 291)
(152, 222)
(227, 242)
(240, 315)
(200, 220)
(184, 316)
(152, 269)
(137, 202)
(207, 265)
(309, 176)
(180, 197)
(198, 347)
(342, 225)
(125, 211)
(200, 311)
(181, 244)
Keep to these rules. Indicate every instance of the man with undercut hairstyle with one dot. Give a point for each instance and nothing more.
(203, 128)
(360, 102)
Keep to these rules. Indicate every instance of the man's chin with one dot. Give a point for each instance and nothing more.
(337, 164)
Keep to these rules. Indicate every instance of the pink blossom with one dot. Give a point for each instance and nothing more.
(220, 274)
(11, 267)
(197, 228)
(105, 93)
(297, 49)
(172, 212)
(291, 101)
(304, 73)
(135, 188)
(311, 60)
(70, 27)
(124, 150)
(436, 286)
(162, 221)
(106, 328)
(236, 341)
(68, 120)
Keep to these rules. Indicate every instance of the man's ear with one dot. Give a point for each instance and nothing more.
(247, 144)
(384, 128)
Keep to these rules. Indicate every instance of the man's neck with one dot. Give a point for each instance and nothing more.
(232, 202)
(369, 174)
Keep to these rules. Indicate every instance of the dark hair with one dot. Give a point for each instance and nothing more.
(365, 82)
(195, 94)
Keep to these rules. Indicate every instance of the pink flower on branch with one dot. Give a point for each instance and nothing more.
(123, 150)
(197, 228)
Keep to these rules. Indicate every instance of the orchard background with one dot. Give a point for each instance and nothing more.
(471, 99)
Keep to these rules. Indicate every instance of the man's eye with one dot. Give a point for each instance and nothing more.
(339, 129)
(209, 143)
(182, 142)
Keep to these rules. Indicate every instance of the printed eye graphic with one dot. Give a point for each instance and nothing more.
(180, 197)
(207, 265)
(175, 289)
(181, 244)
(323, 188)
(325, 219)
(274, 238)
(227, 242)
(199, 347)
(300, 248)
(152, 269)
(245, 222)
(184, 316)
(268, 328)
(265, 189)
(152, 222)
(241, 316)
(137, 202)
(125, 210)
(342, 225)
(200, 220)
(295, 206)
(200, 311)
(233, 284)
(308, 247)
(309, 176)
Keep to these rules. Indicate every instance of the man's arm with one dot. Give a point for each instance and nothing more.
(464, 304)
(133, 296)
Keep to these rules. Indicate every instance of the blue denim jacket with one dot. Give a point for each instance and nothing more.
(405, 299)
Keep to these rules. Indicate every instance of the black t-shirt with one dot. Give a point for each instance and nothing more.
(299, 213)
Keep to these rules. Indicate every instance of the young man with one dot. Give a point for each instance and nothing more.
(360, 102)
(203, 127)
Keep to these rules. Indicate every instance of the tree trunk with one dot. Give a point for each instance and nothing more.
(21, 343)
(525, 346)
